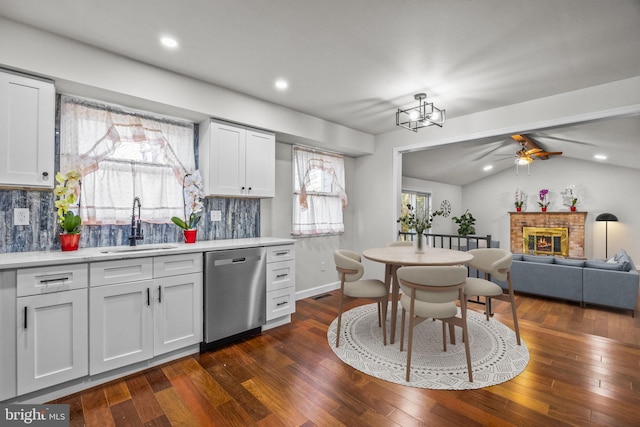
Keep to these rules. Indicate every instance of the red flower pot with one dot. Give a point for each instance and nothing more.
(518, 209)
(69, 242)
(573, 208)
(190, 236)
(544, 209)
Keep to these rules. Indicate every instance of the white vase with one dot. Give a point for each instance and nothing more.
(419, 243)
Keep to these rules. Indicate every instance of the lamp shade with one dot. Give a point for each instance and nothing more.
(606, 217)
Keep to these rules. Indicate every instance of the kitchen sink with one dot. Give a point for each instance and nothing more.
(141, 248)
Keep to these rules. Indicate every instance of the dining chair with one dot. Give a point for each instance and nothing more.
(431, 292)
(350, 270)
(495, 264)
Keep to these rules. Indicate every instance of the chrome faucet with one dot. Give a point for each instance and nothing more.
(136, 224)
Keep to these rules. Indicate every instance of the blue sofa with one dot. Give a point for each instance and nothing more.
(611, 283)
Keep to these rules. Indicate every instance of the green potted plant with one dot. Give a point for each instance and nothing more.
(68, 193)
(465, 223)
(420, 221)
(192, 205)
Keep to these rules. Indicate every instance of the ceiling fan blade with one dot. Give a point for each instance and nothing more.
(526, 142)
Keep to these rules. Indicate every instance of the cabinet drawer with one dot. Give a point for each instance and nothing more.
(280, 253)
(280, 275)
(174, 265)
(280, 303)
(40, 280)
(120, 271)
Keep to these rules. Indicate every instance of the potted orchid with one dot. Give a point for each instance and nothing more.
(571, 198)
(192, 196)
(519, 201)
(420, 221)
(68, 193)
(543, 199)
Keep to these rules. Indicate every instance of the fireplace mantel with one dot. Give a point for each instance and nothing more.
(574, 221)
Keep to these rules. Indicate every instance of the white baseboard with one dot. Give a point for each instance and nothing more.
(308, 293)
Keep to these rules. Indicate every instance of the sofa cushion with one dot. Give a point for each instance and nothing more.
(542, 259)
(570, 262)
(517, 257)
(604, 265)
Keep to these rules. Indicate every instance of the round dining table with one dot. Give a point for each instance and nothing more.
(395, 257)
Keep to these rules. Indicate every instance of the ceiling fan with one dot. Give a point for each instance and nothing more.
(530, 149)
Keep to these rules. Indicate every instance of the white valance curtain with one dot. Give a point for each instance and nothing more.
(319, 193)
(125, 154)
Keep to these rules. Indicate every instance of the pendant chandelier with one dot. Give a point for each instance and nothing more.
(423, 115)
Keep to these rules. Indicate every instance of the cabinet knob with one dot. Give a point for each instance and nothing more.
(45, 175)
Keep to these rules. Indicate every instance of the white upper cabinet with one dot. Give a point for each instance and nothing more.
(237, 161)
(27, 127)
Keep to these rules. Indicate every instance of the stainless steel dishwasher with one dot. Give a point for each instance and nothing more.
(235, 292)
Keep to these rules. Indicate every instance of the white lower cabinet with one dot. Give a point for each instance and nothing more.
(136, 320)
(121, 325)
(280, 281)
(52, 326)
(177, 312)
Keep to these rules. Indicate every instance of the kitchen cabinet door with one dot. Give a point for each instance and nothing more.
(260, 164)
(27, 126)
(121, 325)
(237, 161)
(177, 312)
(52, 339)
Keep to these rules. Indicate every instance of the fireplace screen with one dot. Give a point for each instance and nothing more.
(545, 241)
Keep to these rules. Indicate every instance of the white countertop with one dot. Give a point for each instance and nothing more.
(109, 253)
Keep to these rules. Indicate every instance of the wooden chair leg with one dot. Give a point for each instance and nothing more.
(465, 337)
(512, 300)
(404, 312)
(444, 335)
(339, 320)
(385, 305)
(409, 346)
(379, 315)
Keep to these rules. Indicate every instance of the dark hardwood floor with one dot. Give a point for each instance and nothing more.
(584, 370)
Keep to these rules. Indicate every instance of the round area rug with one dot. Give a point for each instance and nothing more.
(495, 355)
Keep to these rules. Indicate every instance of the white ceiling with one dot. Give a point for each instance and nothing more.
(354, 62)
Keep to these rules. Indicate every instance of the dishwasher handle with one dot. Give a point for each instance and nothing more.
(237, 260)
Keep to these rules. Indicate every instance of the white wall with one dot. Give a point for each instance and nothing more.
(600, 188)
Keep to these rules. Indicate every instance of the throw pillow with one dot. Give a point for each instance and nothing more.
(542, 259)
(603, 265)
(570, 262)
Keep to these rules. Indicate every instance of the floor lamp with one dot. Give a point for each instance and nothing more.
(606, 217)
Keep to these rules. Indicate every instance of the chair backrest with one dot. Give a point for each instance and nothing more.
(350, 262)
(496, 262)
(400, 243)
(436, 284)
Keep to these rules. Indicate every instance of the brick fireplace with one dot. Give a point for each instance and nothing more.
(572, 222)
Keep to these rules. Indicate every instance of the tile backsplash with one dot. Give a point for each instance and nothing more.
(240, 218)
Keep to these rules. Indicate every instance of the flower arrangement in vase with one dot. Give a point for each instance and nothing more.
(420, 221)
(570, 198)
(68, 193)
(519, 200)
(192, 203)
(543, 199)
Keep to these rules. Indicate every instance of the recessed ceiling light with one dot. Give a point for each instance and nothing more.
(282, 84)
(169, 42)
(487, 168)
(600, 157)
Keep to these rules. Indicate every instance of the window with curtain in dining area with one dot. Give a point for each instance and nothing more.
(319, 196)
(122, 154)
